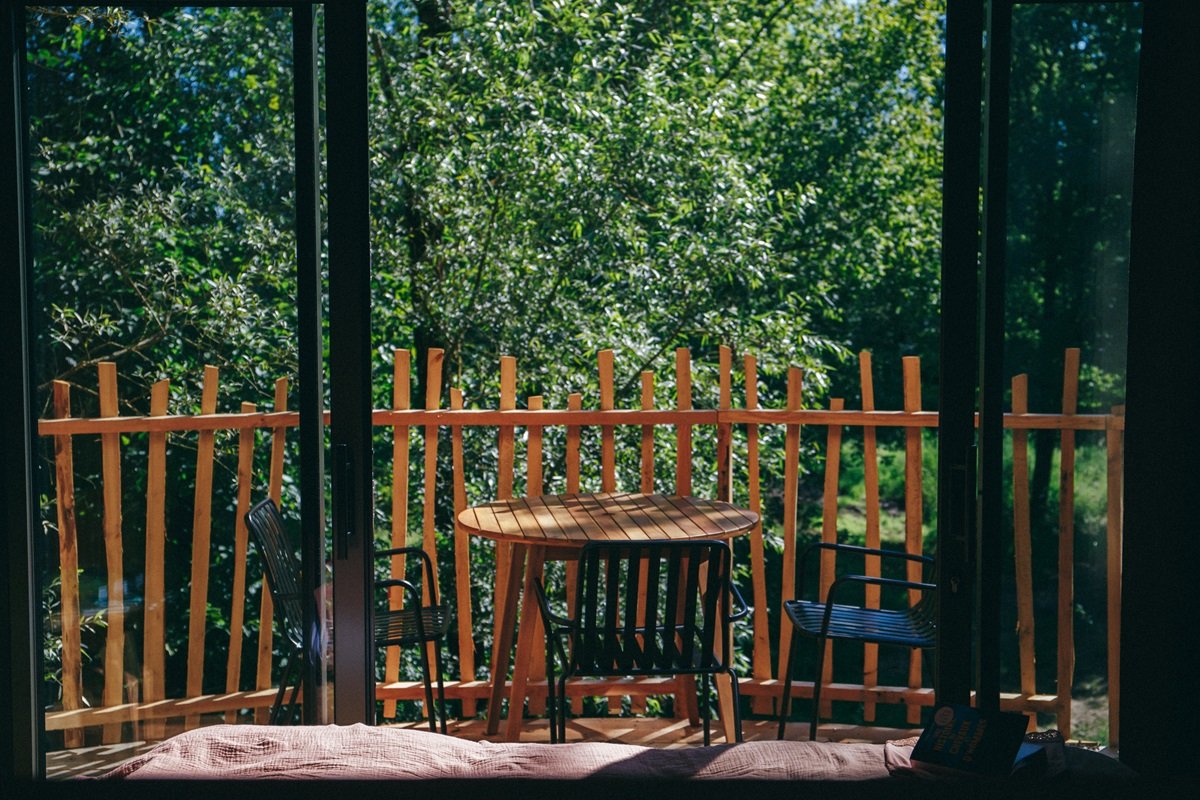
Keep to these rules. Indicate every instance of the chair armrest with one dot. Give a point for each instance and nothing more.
(416, 600)
(406, 585)
(744, 610)
(548, 615)
(549, 620)
(851, 548)
(413, 551)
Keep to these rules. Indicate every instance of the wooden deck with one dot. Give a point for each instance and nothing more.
(83, 762)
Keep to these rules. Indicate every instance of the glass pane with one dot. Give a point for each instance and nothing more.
(164, 284)
(1074, 76)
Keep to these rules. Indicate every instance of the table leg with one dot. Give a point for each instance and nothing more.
(503, 638)
(526, 642)
(687, 699)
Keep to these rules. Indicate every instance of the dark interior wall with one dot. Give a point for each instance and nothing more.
(1161, 603)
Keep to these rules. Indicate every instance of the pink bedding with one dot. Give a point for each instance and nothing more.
(363, 752)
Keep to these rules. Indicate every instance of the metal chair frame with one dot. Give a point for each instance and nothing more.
(604, 639)
(912, 627)
(413, 624)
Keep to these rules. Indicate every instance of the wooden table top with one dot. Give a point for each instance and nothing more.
(576, 519)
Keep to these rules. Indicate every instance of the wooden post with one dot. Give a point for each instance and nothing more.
(724, 429)
(153, 636)
(266, 612)
(761, 655)
(647, 453)
(871, 491)
(685, 700)
(462, 560)
(608, 457)
(114, 643)
(504, 477)
(1115, 521)
(504, 485)
(683, 432)
(1022, 539)
(68, 566)
(791, 482)
(201, 547)
(433, 401)
(638, 704)
(914, 513)
(401, 401)
(574, 403)
(533, 488)
(241, 537)
(829, 511)
(1065, 664)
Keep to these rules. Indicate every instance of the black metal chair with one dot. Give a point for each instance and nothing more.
(416, 623)
(913, 627)
(682, 612)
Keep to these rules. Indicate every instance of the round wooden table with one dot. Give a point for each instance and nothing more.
(557, 525)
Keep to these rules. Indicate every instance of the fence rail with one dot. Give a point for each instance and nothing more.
(145, 702)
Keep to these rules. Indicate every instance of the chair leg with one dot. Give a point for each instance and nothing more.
(428, 688)
(563, 707)
(292, 704)
(551, 696)
(277, 706)
(785, 702)
(705, 707)
(437, 649)
(816, 712)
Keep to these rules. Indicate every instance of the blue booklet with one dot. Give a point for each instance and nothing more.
(962, 739)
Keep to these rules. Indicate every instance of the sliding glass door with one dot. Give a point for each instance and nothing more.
(1060, 120)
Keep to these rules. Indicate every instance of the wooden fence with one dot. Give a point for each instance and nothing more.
(143, 700)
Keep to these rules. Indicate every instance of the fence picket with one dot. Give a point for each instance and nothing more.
(533, 488)
(68, 566)
(683, 432)
(114, 552)
(401, 400)
(201, 545)
(266, 610)
(575, 404)
(724, 429)
(1065, 657)
(914, 510)
(829, 531)
(761, 654)
(462, 559)
(1114, 443)
(608, 453)
(791, 484)
(237, 613)
(1022, 540)
(433, 401)
(871, 500)
(154, 621)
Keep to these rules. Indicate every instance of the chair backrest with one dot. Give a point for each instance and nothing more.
(651, 607)
(282, 566)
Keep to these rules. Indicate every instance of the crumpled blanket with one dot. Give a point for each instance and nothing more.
(364, 752)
